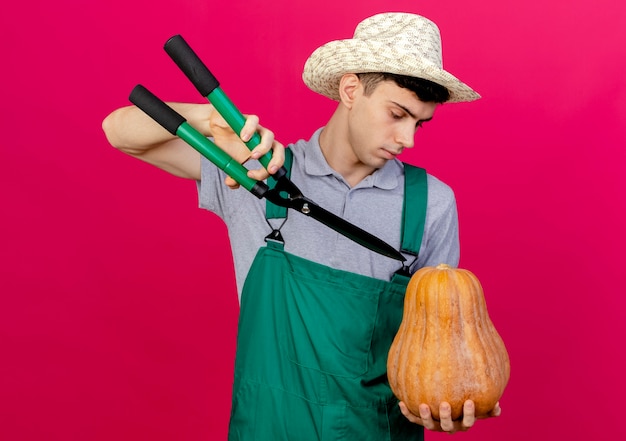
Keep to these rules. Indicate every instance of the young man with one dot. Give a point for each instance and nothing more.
(318, 311)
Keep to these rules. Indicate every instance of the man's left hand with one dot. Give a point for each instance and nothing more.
(445, 423)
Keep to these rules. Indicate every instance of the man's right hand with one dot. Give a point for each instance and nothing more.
(228, 141)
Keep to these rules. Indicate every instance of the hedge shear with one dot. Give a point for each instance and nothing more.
(284, 193)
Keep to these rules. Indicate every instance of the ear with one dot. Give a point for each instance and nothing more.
(349, 86)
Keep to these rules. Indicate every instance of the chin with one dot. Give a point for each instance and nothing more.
(379, 163)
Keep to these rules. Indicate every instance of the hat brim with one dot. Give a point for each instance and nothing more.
(325, 67)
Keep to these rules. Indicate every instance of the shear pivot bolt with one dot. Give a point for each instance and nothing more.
(305, 208)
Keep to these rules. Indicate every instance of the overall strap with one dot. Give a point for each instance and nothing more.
(414, 210)
(273, 211)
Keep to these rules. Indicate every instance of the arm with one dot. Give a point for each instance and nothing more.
(133, 132)
(441, 232)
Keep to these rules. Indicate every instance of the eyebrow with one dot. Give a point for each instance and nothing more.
(411, 114)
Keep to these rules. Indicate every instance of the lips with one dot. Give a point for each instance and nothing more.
(389, 154)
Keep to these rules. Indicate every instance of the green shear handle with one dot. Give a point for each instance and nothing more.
(208, 86)
(177, 125)
(284, 192)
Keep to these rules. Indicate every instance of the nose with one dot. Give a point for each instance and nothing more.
(406, 136)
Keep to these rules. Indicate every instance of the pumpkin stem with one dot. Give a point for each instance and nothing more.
(443, 266)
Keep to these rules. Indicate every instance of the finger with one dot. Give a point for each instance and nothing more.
(426, 417)
(278, 158)
(258, 174)
(408, 414)
(445, 417)
(231, 183)
(469, 415)
(267, 143)
(249, 128)
(496, 410)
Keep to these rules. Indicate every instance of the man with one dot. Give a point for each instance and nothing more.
(318, 311)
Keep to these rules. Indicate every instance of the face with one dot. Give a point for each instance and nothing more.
(384, 123)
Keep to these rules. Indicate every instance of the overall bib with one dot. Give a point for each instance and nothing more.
(312, 344)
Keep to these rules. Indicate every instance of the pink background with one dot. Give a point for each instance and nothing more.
(117, 302)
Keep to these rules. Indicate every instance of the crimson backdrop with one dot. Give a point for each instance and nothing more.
(117, 304)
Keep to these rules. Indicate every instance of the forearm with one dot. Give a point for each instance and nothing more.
(132, 131)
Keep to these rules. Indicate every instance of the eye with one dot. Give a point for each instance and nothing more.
(395, 115)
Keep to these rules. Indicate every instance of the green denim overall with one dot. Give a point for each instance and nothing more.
(313, 341)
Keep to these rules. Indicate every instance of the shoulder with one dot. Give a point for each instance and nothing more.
(439, 191)
(441, 201)
(299, 147)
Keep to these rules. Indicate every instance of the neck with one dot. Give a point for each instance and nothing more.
(338, 151)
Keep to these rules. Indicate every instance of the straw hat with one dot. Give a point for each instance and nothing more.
(398, 43)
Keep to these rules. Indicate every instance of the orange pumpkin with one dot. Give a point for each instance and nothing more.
(447, 348)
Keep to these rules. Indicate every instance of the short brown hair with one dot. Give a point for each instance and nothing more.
(425, 90)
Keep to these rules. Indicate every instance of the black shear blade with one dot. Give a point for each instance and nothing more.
(350, 230)
(286, 194)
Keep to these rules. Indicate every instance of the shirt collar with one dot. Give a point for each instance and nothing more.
(386, 178)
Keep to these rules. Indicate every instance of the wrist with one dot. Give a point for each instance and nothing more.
(198, 116)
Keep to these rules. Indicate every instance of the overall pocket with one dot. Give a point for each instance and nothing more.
(329, 324)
